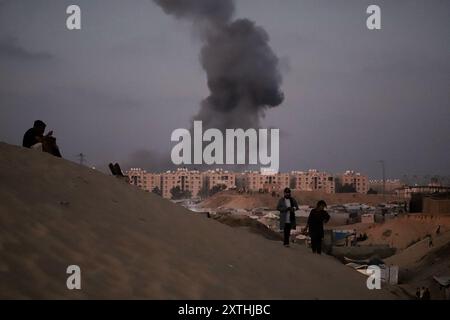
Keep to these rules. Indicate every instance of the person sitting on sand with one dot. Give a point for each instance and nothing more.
(317, 217)
(34, 139)
(287, 206)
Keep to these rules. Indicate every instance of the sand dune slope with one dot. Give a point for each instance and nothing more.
(131, 244)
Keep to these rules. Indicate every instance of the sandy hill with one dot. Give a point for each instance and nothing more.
(404, 231)
(418, 260)
(132, 244)
(232, 199)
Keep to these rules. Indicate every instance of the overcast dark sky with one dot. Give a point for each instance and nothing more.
(132, 75)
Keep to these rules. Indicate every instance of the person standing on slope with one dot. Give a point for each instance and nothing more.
(287, 206)
(317, 217)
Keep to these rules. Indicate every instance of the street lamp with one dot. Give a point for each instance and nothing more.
(384, 178)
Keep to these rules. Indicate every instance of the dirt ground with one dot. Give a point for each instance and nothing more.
(232, 199)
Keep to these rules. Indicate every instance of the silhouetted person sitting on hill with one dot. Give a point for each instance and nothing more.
(34, 136)
(34, 139)
(117, 172)
(316, 219)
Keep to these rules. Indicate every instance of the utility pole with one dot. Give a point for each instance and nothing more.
(383, 169)
(81, 158)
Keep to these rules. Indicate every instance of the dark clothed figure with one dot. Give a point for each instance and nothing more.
(287, 206)
(34, 135)
(317, 217)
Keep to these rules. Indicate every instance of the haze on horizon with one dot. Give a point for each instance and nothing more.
(116, 89)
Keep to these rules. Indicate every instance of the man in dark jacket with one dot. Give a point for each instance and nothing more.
(34, 138)
(317, 217)
(287, 206)
(34, 135)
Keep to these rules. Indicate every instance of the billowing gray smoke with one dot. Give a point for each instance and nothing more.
(242, 70)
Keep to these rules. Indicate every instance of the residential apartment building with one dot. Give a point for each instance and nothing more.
(143, 179)
(217, 177)
(193, 180)
(187, 180)
(390, 185)
(357, 180)
(256, 181)
(408, 191)
(313, 180)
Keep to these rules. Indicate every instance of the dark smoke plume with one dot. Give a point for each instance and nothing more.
(149, 160)
(242, 70)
